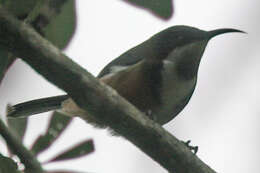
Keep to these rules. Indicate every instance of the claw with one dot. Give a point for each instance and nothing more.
(192, 148)
(150, 114)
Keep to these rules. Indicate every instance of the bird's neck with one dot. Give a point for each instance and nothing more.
(188, 68)
(186, 59)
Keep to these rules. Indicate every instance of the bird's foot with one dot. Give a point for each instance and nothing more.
(194, 149)
(150, 114)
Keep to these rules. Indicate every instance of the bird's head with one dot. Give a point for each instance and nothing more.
(176, 37)
(184, 46)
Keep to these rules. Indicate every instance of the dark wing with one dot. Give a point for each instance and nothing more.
(126, 59)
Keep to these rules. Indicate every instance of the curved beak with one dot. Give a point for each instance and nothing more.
(222, 31)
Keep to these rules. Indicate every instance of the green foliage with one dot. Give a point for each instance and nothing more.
(80, 150)
(59, 26)
(4, 61)
(57, 124)
(18, 126)
(19, 8)
(59, 29)
(62, 27)
(7, 165)
(161, 8)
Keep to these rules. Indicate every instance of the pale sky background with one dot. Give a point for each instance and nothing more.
(222, 117)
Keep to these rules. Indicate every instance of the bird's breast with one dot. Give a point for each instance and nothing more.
(175, 93)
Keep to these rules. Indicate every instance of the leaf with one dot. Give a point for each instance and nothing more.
(58, 123)
(5, 61)
(62, 24)
(19, 8)
(18, 125)
(80, 150)
(2, 2)
(161, 8)
(62, 27)
(7, 165)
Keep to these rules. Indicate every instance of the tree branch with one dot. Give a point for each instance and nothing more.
(99, 100)
(43, 13)
(39, 18)
(15, 144)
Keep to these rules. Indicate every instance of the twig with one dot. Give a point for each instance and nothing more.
(43, 13)
(15, 144)
(52, 8)
(39, 17)
(96, 98)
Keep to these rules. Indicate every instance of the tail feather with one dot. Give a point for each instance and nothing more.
(36, 106)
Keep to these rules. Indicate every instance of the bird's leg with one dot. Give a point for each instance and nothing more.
(192, 148)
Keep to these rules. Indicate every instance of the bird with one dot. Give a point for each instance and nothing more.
(157, 76)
